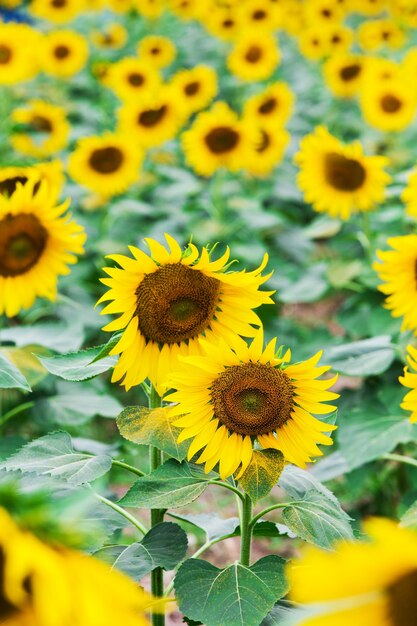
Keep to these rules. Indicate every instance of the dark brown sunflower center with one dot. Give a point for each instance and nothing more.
(155, 51)
(41, 124)
(58, 4)
(6, 608)
(22, 241)
(391, 104)
(254, 54)
(349, 72)
(228, 23)
(342, 173)
(252, 399)
(222, 139)
(336, 39)
(259, 15)
(268, 106)
(264, 143)
(136, 79)
(106, 160)
(62, 52)
(327, 13)
(402, 600)
(152, 117)
(192, 88)
(5, 54)
(176, 303)
(8, 185)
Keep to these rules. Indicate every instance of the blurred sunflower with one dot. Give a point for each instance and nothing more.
(409, 195)
(17, 61)
(368, 7)
(337, 178)
(378, 33)
(268, 151)
(156, 50)
(256, 15)
(44, 131)
(63, 53)
(113, 37)
(218, 139)
(189, 9)
(149, 8)
(344, 74)
(397, 270)
(119, 6)
(51, 172)
(235, 394)
(340, 39)
(196, 87)
(292, 17)
(170, 299)
(58, 11)
(154, 119)
(131, 78)
(404, 11)
(85, 591)
(254, 57)
(37, 242)
(368, 583)
(313, 42)
(108, 164)
(274, 104)
(222, 22)
(409, 379)
(323, 12)
(389, 105)
(378, 70)
(409, 65)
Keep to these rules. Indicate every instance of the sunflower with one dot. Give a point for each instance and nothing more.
(235, 394)
(156, 50)
(196, 87)
(171, 299)
(369, 7)
(409, 65)
(378, 70)
(119, 6)
(292, 17)
(254, 57)
(368, 583)
(323, 12)
(17, 61)
(314, 43)
(132, 78)
(269, 150)
(378, 33)
(340, 39)
(63, 53)
(409, 195)
(46, 129)
(85, 590)
(37, 242)
(337, 178)
(189, 9)
(51, 172)
(397, 269)
(154, 119)
(389, 105)
(58, 11)
(344, 74)
(113, 37)
(149, 8)
(274, 105)
(218, 139)
(222, 22)
(259, 15)
(108, 164)
(404, 11)
(409, 379)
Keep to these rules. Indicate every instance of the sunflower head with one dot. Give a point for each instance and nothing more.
(254, 57)
(44, 129)
(235, 394)
(63, 53)
(156, 50)
(170, 299)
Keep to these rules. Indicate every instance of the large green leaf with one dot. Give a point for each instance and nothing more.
(172, 485)
(152, 427)
(80, 365)
(262, 473)
(10, 376)
(60, 336)
(213, 526)
(317, 519)
(55, 456)
(77, 404)
(364, 437)
(235, 596)
(362, 358)
(164, 546)
(298, 482)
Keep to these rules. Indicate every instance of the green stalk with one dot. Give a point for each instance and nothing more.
(157, 515)
(246, 530)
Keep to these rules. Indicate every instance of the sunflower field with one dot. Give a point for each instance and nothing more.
(208, 312)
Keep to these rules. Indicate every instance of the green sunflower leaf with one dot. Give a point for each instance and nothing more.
(10, 376)
(152, 427)
(368, 357)
(235, 596)
(164, 546)
(262, 473)
(317, 519)
(172, 485)
(81, 365)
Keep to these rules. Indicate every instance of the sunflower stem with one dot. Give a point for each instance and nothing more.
(157, 515)
(400, 458)
(246, 530)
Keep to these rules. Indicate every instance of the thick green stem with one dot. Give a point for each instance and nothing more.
(157, 515)
(246, 530)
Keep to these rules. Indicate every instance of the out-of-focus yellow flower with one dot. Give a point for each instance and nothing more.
(132, 78)
(344, 74)
(379, 33)
(45, 132)
(314, 42)
(369, 7)
(409, 379)
(113, 37)
(340, 38)
(254, 57)
(196, 87)
(149, 8)
(257, 15)
(189, 9)
(389, 105)
(17, 59)
(269, 150)
(63, 53)
(58, 11)
(273, 105)
(224, 23)
(52, 172)
(409, 195)
(323, 12)
(156, 50)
